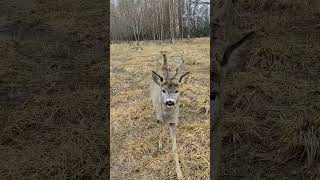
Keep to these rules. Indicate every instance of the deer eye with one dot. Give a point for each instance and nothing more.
(163, 91)
(176, 91)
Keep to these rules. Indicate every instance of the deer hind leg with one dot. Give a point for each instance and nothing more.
(160, 134)
(174, 149)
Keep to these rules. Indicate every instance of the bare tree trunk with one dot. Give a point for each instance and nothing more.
(180, 17)
(172, 18)
(219, 21)
(156, 7)
(134, 32)
(194, 24)
(188, 18)
(161, 20)
(139, 24)
(153, 31)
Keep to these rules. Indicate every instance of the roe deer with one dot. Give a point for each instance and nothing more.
(165, 91)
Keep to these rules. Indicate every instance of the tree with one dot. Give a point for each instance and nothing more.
(158, 20)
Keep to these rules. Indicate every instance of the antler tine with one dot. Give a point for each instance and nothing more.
(165, 64)
(179, 62)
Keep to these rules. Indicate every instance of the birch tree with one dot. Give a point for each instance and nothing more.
(157, 20)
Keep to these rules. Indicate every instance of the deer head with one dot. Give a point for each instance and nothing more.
(170, 82)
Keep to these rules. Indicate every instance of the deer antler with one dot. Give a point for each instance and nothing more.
(165, 69)
(179, 63)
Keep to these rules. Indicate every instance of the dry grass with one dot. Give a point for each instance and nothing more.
(134, 130)
(53, 94)
(271, 119)
(52, 115)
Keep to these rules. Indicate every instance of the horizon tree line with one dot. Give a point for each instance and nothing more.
(141, 20)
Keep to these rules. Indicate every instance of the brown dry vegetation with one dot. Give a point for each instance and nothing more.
(134, 130)
(271, 116)
(53, 90)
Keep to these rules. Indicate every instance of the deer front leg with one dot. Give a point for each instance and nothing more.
(174, 149)
(161, 134)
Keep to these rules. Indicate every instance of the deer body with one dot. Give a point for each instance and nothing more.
(165, 93)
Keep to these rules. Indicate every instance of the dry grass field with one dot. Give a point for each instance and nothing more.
(133, 126)
(272, 118)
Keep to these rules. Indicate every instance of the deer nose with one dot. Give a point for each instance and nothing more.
(169, 103)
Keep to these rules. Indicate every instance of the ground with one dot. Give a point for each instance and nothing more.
(134, 130)
(271, 116)
(53, 89)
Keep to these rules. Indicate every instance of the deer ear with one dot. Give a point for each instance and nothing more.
(183, 77)
(231, 59)
(156, 78)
